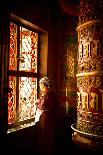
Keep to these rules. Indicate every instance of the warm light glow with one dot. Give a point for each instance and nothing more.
(27, 97)
(12, 100)
(22, 88)
(28, 50)
(71, 66)
(13, 47)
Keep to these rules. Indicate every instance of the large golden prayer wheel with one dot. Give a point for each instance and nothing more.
(88, 128)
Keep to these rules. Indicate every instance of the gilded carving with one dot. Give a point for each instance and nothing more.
(90, 68)
(87, 82)
(94, 101)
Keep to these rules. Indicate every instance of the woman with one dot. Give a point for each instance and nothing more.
(46, 124)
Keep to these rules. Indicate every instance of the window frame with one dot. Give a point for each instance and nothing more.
(41, 69)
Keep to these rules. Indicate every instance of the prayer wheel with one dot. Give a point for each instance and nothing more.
(88, 128)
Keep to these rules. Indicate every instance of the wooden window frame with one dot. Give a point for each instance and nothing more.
(42, 59)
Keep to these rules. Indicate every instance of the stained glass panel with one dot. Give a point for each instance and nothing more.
(12, 100)
(27, 96)
(22, 90)
(13, 47)
(28, 50)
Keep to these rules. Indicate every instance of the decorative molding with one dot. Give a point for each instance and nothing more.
(95, 73)
(87, 24)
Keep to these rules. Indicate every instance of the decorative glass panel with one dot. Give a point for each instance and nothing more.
(27, 96)
(13, 47)
(12, 100)
(28, 50)
(22, 90)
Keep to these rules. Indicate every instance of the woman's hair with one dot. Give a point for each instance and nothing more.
(46, 81)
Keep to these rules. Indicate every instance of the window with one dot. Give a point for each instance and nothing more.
(25, 45)
(23, 68)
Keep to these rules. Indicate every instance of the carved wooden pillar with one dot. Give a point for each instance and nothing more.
(89, 125)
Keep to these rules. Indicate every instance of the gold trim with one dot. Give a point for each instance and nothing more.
(87, 23)
(95, 73)
(95, 113)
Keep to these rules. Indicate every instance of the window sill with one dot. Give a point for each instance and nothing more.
(19, 127)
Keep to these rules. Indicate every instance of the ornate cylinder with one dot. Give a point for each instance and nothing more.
(90, 69)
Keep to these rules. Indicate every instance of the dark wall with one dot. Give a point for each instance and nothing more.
(41, 15)
(22, 141)
(53, 48)
(35, 11)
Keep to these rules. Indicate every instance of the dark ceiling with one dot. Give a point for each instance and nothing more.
(69, 7)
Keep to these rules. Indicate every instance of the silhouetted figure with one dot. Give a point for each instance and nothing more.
(46, 125)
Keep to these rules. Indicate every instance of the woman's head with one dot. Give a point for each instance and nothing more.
(44, 83)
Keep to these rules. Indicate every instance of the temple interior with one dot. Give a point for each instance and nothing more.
(61, 39)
